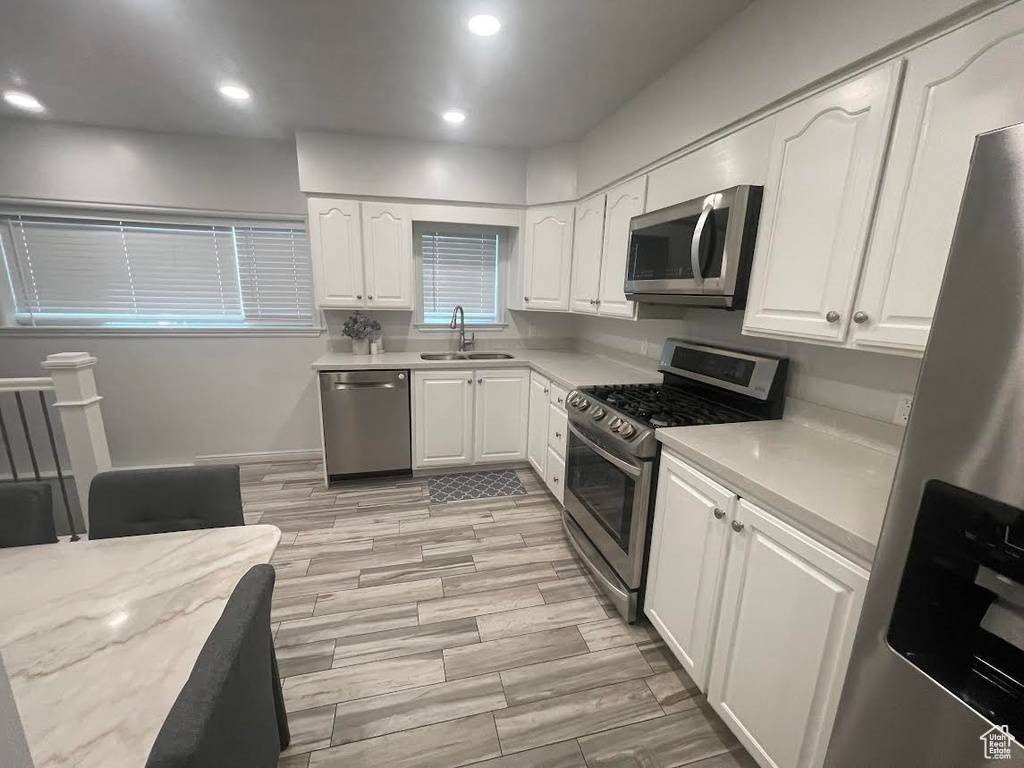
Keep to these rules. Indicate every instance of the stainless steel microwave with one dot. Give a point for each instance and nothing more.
(696, 253)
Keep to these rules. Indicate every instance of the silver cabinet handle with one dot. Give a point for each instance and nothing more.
(560, 400)
(479, 381)
(359, 295)
(469, 381)
(593, 301)
(370, 298)
(597, 302)
(558, 435)
(526, 298)
(832, 316)
(737, 526)
(698, 233)
(719, 513)
(555, 479)
(860, 317)
(545, 391)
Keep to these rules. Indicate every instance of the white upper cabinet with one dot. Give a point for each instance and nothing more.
(691, 522)
(788, 616)
(587, 243)
(336, 250)
(548, 257)
(387, 249)
(960, 85)
(823, 175)
(502, 402)
(624, 202)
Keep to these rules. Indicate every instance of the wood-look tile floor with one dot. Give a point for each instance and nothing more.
(419, 634)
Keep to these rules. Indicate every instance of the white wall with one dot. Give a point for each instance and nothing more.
(168, 399)
(49, 161)
(766, 52)
(865, 383)
(551, 174)
(367, 166)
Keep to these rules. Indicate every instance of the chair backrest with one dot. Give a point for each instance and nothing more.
(132, 502)
(26, 514)
(225, 715)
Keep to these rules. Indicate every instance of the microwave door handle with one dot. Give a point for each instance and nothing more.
(698, 236)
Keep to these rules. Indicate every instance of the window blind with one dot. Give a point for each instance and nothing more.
(460, 268)
(110, 272)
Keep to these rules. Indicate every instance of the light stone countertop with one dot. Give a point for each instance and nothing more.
(99, 637)
(832, 488)
(569, 369)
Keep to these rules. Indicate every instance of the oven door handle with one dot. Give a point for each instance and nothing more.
(631, 470)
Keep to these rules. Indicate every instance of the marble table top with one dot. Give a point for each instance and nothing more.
(98, 637)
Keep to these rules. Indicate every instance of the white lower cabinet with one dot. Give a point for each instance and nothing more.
(686, 563)
(555, 477)
(537, 440)
(463, 417)
(761, 615)
(502, 400)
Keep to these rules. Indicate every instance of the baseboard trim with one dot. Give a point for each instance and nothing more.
(260, 457)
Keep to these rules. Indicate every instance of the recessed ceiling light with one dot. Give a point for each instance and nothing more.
(484, 25)
(23, 100)
(234, 91)
(454, 116)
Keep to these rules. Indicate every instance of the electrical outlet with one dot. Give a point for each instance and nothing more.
(643, 347)
(902, 415)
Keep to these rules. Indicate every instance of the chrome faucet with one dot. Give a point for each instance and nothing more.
(459, 321)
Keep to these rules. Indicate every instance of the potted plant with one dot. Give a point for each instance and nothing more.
(359, 328)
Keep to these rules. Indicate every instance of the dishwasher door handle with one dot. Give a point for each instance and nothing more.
(368, 385)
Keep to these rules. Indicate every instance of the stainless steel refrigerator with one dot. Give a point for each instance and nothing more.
(937, 672)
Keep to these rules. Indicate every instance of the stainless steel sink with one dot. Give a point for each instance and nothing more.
(466, 356)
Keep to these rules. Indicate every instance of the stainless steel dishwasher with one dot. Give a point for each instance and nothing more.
(366, 422)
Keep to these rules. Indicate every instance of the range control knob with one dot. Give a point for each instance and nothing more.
(627, 431)
(615, 422)
(597, 413)
(572, 397)
(583, 404)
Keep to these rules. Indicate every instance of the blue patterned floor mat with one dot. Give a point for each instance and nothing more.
(474, 485)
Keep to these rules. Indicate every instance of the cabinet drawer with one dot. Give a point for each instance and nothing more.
(558, 428)
(555, 476)
(558, 395)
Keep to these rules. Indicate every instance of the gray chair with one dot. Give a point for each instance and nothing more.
(230, 712)
(26, 515)
(133, 502)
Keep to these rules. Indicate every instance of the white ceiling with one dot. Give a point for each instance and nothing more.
(381, 67)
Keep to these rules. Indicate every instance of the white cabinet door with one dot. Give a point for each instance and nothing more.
(555, 476)
(442, 413)
(548, 257)
(788, 615)
(387, 248)
(502, 404)
(336, 250)
(823, 174)
(955, 87)
(624, 202)
(691, 520)
(587, 242)
(537, 443)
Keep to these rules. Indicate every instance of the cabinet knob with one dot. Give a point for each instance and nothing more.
(860, 317)
(719, 513)
(359, 295)
(560, 400)
(593, 301)
(526, 298)
(737, 526)
(832, 316)
(555, 479)
(370, 298)
(597, 302)
(558, 435)
(545, 391)
(469, 381)
(479, 381)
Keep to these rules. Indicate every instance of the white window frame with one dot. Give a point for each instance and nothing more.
(503, 233)
(10, 326)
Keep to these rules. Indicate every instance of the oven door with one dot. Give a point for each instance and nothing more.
(690, 248)
(607, 496)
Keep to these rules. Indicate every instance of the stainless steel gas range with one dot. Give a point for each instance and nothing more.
(611, 461)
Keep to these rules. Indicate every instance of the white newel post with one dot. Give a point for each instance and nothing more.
(79, 405)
